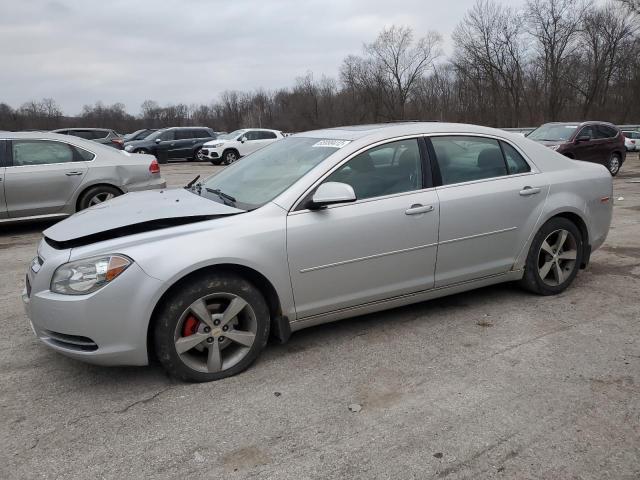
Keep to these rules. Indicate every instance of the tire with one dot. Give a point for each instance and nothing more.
(541, 255)
(179, 321)
(198, 156)
(229, 156)
(96, 195)
(216, 161)
(141, 150)
(614, 164)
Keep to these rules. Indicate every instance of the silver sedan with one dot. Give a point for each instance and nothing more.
(316, 227)
(48, 175)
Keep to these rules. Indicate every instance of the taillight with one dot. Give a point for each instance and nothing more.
(154, 167)
(118, 141)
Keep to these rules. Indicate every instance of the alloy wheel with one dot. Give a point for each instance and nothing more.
(230, 157)
(614, 165)
(215, 332)
(199, 155)
(557, 257)
(100, 197)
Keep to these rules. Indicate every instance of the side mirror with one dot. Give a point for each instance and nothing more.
(330, 193)
(243, 139)
(158, 140)
(583, 138)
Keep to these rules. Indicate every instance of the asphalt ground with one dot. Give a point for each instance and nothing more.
(494, 383)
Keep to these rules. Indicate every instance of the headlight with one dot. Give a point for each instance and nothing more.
(554, 147)
(214, 145)
(86, 276)
(129, 148)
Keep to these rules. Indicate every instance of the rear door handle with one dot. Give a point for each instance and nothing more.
(417, 209)
(71, 174)
(526, 191)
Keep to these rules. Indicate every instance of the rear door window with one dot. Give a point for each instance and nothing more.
(464, 159)
(267, 135)
(184, 134)
(603, 131)
(40, 152)
(86, 134)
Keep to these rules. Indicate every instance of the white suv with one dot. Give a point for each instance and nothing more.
(228, 148)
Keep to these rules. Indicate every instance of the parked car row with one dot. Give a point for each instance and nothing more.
(49, 175)
(228, 148)
(598, 142)
(173, 143)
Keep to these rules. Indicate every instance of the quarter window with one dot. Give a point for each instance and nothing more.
(384, 170)
(40, 152)
(464, 159)
(200, 133)
(515, 162)
(267, 135)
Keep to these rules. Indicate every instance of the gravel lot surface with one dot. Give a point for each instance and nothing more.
(495, 383)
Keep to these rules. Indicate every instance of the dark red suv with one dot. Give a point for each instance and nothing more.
(598, 142)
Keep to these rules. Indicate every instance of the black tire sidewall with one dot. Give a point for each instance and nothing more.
(531, 279)
(83, 203)
(173, 307)
(225, 160)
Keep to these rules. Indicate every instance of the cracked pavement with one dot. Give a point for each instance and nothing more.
(494, 383)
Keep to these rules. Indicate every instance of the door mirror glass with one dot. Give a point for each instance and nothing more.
(332, 192)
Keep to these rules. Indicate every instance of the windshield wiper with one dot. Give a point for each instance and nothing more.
(192, 182)
(221, 194)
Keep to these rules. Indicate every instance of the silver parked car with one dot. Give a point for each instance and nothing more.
(316, 227)
(48, 175)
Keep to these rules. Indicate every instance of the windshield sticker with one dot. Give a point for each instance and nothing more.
(331, 143)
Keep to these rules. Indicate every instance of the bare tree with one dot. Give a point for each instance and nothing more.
(555, 25)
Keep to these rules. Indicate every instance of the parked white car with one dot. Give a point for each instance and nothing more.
(631, 140)
(228, 148)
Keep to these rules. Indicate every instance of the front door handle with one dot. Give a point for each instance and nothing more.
(72, 174)
(526, 191)
(417, 209)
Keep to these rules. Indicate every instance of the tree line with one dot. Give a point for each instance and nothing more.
(550, 60)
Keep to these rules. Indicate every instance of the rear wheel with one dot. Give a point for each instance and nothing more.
(96, 195)
(615, 162)
(554, 257)
(212, 328)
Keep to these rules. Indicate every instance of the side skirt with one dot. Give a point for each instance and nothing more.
(403, 300)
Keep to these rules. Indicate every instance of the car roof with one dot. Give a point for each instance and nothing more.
(83, 128)
(384, 130)
(578, 124)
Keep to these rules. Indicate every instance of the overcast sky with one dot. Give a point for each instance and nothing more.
(189, 51)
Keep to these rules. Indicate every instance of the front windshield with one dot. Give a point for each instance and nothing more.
(266, 173)
(230, 136)
(553, 132)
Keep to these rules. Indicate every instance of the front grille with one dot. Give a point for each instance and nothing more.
(72, 342)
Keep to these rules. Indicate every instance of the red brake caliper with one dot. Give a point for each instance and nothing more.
(190, 326)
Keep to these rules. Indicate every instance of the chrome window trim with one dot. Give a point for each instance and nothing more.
(49, 140)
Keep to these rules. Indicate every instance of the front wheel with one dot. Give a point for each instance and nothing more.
(211, 328)
(198, 156)
(615, 162)
(554, 257)
(229, 157)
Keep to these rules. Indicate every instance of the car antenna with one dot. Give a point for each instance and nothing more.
(190, 184)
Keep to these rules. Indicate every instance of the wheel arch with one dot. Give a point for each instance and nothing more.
(234, 149)
(86, 188)
(579, 222)
(279, 325)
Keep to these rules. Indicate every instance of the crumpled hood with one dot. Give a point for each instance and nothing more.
(147, 208)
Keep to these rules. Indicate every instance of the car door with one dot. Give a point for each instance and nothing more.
(381, 246)
(251, 144)
(3, 157)
(490, 201)
(183, 143)
(41, 177)
(586, 150)
(166, 144)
